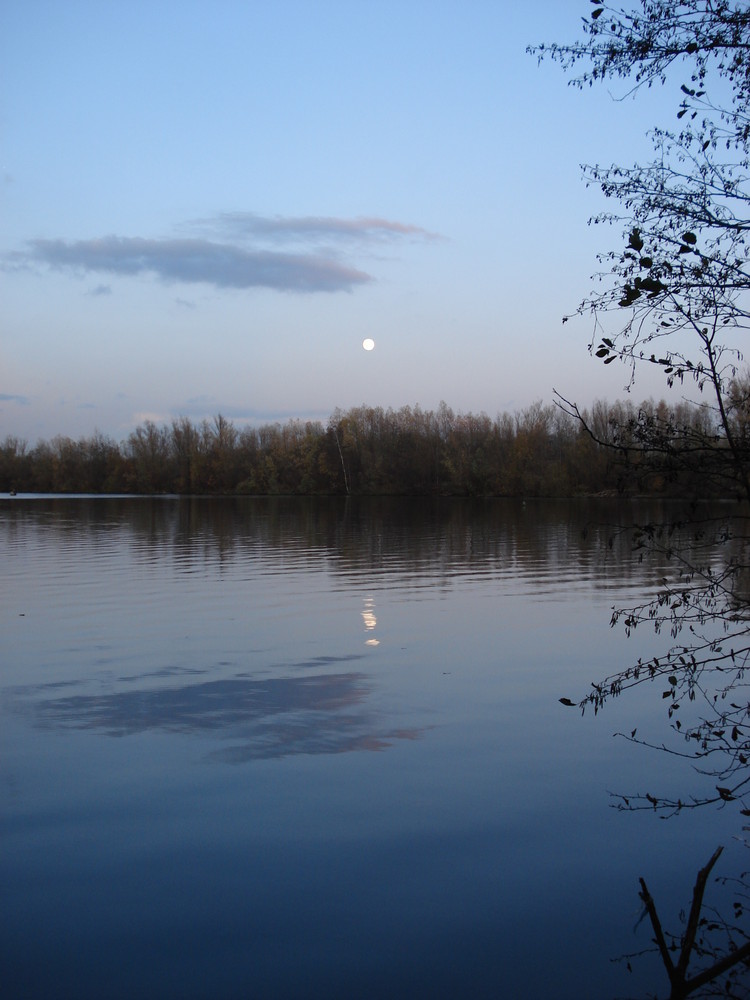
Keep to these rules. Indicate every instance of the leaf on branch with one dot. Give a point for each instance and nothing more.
(651, 285)
(725, 793)
(635, 242)
(568, 702)
(597, 13)
(629, 295)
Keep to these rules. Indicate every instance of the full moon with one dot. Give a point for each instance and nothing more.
(368, 343)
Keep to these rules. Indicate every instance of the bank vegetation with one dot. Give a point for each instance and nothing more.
(539, 451)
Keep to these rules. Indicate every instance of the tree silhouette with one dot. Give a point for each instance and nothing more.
(673, 294)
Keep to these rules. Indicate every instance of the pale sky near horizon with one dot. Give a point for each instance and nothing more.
(207, 207)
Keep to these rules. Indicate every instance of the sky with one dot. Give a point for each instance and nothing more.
(206, 207)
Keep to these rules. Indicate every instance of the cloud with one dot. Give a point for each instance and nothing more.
(230, 250)
(191, 261)
(312, 229)
(9, 397)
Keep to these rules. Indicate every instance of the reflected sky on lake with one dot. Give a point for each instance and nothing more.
(190, 694)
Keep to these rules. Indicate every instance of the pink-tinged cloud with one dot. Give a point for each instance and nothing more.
(312, 228)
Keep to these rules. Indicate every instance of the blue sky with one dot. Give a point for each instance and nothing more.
(206, 207)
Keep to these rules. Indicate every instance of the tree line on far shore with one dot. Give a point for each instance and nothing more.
(539, 451)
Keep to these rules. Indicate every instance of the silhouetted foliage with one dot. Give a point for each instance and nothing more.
(681, 281)
(677, 286)
(721, 944)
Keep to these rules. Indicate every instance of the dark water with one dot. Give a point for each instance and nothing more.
(295, 748)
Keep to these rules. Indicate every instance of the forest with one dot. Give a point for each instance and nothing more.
(541, 451)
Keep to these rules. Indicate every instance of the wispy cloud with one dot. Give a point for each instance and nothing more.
(9, 397)
(233, 250)
(311, 229)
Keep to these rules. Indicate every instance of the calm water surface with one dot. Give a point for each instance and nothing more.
(313, 748)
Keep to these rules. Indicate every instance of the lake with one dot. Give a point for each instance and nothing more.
(292, 748)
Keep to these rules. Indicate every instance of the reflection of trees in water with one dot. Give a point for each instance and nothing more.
(356, 536)
(262, 717)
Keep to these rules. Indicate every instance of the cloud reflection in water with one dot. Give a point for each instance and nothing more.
(264, 718)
